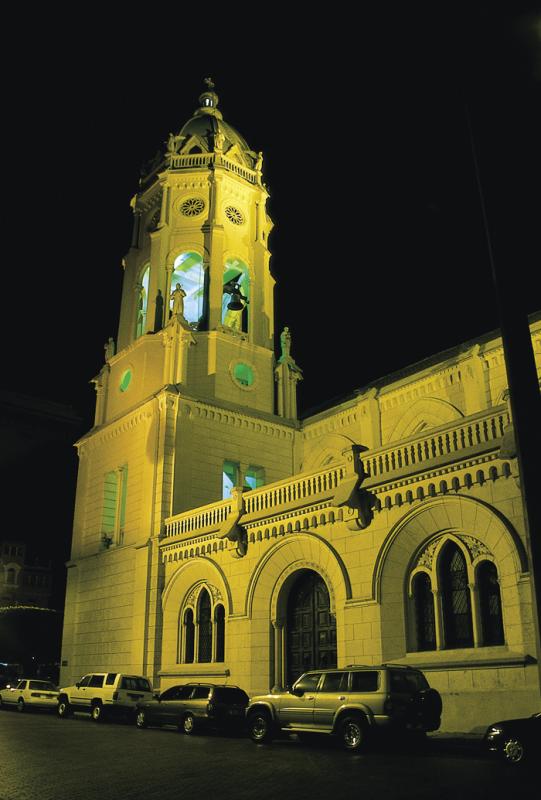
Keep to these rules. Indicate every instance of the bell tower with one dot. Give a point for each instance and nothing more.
(197, 302)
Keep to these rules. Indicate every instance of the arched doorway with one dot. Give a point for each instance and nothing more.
(311, 628)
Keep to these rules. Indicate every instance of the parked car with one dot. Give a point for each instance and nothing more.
(193, 706)
(350, 703)
(29, 693)
(515, 740)
(104, 693)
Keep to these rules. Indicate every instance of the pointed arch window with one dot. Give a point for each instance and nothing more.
(205, 628)
(219, 627)
(142, 304)
(454, 602)
(189, 636)
(424, 612)
(202, 628)
(456, 605)
(490, 604)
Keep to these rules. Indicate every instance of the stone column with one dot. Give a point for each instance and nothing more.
(279, 654)
(438, 619)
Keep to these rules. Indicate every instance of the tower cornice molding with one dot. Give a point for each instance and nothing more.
(114, 428)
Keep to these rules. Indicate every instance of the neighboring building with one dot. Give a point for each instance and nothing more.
(217, 536)
(24, 580)
(36, 474)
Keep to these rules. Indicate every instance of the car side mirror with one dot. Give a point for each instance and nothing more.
(77, 685)
(157, 697)
(297, 692)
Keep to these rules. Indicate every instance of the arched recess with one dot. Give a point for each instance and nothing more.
(474, 526)
(428, 412)
(270, 586)
(302, 551)
(181, 583)
(324, 451)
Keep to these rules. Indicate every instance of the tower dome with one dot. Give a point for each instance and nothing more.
(207, 131)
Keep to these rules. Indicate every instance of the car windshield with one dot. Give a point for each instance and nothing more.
(308, 682)
(237, 696)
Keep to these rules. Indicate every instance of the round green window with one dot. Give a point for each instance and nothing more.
(125, 380)
(243, 374)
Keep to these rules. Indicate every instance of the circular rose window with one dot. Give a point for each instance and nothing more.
(234, 215)
(192, 206)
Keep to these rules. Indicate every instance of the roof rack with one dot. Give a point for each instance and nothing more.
(349, 666)
(400, 666)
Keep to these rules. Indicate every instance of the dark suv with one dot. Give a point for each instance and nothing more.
(351, 703)
(193, 706)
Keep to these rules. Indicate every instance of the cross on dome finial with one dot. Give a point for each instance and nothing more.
(208, 101)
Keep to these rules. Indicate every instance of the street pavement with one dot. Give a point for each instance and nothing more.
(46, 758)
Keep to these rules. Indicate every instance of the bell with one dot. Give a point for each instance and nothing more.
(235, 304)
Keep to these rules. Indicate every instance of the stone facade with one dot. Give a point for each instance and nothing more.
(398, 504)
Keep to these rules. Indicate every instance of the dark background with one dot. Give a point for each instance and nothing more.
(379, 250)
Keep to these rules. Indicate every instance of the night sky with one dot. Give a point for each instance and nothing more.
(379, 249)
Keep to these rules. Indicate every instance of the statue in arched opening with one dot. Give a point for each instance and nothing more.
(178, 300)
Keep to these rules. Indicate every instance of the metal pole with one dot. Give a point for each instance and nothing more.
(525, 404)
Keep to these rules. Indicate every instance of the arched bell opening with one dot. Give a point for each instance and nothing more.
(236, 295)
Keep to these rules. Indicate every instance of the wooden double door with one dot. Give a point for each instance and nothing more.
(311, 628)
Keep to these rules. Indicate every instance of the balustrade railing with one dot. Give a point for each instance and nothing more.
(442, 443)
(194, 160)
(294, 490)
(206, 517)
(321, 484)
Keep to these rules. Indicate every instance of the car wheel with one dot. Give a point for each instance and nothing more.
(188, 724)
(97, 713)
(20, 705)
(352, 732)
(64, 708)
(513, 751)
(140, 719)
(260, 727)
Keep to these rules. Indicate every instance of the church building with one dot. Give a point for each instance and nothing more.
(219, 537)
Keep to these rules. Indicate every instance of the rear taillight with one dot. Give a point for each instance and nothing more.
(388, 706)
(115, 695)
(210, 708)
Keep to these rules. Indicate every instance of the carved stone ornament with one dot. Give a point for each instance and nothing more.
(194, 594)
(475, 547)
(426, 558)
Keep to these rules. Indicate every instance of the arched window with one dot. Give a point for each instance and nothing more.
(10, 577)
(189, 272)
(202, 627)
(204, 620)
(189, 636)
(236, 293)
(456, 604)
(142, 305)
(490, 604)
(219, 628)
(424, 612)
